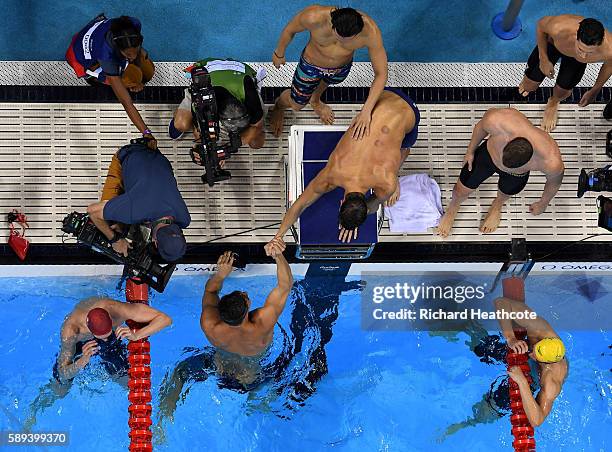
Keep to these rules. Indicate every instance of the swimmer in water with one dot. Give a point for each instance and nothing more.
(227, 322)
(95, 327)
(548, 364)
(241, 337)
(548, 352)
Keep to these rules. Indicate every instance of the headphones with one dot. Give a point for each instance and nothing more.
(133, 40)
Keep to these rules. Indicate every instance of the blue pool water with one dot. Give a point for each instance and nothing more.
(329, 385)
(186, 30)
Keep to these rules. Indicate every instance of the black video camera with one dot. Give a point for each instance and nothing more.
(604, 207)
(138, 265)
(206, 121)
(595, 180)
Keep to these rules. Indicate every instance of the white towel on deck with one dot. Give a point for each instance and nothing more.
(419, 206)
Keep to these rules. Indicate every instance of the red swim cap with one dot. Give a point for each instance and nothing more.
(99, 322)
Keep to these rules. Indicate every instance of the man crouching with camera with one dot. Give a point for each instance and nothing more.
(140, 189)
(238, 102)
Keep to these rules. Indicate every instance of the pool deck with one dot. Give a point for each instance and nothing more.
(55, 158)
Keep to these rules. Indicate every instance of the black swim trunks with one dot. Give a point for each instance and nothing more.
(113, 355)
(483, 168)
(570, 72)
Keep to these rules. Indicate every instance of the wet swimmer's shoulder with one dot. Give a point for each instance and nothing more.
(314, 16)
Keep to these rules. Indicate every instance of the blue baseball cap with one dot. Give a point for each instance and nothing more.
(171, 242)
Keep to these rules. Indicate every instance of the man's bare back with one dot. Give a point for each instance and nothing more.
(561, 31)
(251, 339)
(501, 126)
(360, 165)
(506, 124)
(324, 49)
(235, 329)
(374, 161)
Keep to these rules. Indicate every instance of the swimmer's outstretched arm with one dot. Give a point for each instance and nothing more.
(378, 58)
(315, 189)
(210, 300)
(275, 303)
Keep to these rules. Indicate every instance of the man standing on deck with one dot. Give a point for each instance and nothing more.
(335, 35)
(576, 41)
(506, 143)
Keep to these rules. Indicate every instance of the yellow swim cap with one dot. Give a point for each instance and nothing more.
(549, 350)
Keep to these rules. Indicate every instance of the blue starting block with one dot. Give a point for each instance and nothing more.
(316, 233)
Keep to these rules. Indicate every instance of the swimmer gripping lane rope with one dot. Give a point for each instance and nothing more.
(514, 288)
(139, 377)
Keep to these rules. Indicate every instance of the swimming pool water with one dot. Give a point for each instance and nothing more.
(330, 386)
(188, 30)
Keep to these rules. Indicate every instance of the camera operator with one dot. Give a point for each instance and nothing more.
(140, 188)
(239, 103)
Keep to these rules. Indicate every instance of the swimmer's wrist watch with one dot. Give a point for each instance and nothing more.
(147, 132)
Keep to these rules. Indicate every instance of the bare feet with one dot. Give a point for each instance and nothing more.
(491, 221)
(527, 86)
(324, 112)
(447, 220)
(277, 116)
(551, 114)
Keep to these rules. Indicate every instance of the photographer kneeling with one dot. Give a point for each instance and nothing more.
(140, 188)
(239, 103)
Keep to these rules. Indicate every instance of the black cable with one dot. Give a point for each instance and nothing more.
(566, 246)
(241, 232)
(571, 244)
